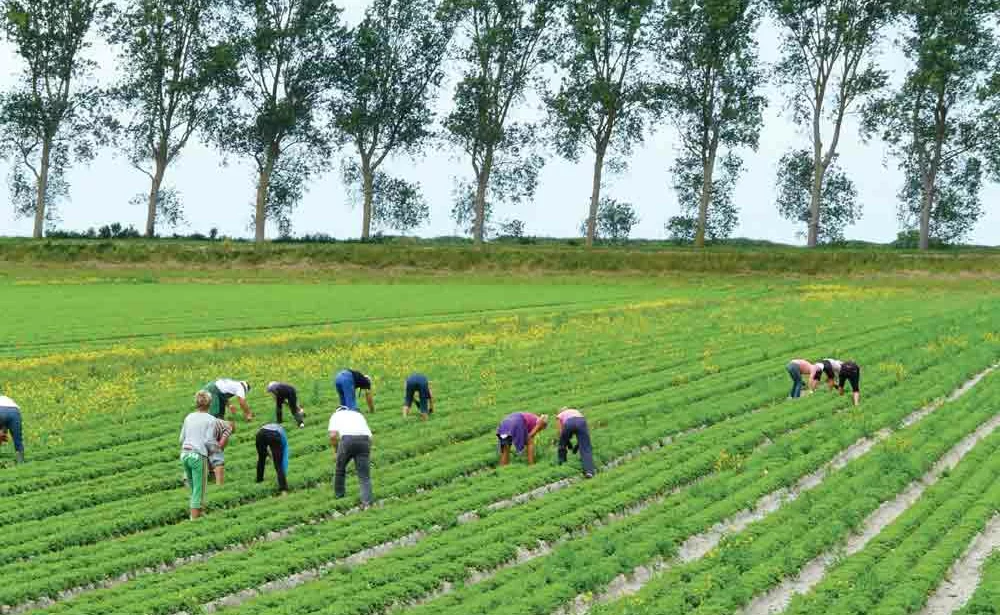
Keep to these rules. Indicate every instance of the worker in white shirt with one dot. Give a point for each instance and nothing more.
(224, 389)
(830, 367)
(351, 439)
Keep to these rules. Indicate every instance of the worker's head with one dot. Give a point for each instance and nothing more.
(3, 435)
(202, 400)
(543, 420)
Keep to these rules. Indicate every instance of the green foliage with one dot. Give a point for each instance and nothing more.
(395, 203)
(387, 74)
(828, 68)
(286, 51)
(709, 55)
(505, 42)
(941, 124)
(176, 76)
(839, 198)
(615, 220)
(53, 116)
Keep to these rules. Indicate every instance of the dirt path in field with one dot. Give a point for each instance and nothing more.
(965, 574)
(699, 545)
(778, 599)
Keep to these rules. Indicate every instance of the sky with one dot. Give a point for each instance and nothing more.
(221, 195)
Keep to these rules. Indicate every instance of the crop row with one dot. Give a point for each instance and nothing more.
(753, 561)
(686, 461)
(273, 515)
(895, 572)
(986, 600)
(588, 564)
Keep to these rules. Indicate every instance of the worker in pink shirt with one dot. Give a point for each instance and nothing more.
(572, 423)
(801, 372)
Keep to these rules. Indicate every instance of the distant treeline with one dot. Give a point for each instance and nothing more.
(285, 84)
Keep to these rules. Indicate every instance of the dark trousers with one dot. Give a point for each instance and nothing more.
(357, 448)
(577, 426)
(796, 375)
(10, 419)
(271, 440)
(293, 404)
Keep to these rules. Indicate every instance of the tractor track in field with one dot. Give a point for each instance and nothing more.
(699, 545)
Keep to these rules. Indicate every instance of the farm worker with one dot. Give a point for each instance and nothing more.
(10, 425)
(572, 423)
(223, 390)
(346, 382)
(286, 393)
(418, 383)
(350, 438)
(849, 371)
(216, 446)
(830, 367)
(519, 429)
(796, 369)
(272, 437)
(198, 430)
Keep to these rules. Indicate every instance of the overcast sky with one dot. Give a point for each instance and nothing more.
(221, 196)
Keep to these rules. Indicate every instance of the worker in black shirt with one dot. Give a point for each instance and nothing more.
(850, 372)
(285, 393)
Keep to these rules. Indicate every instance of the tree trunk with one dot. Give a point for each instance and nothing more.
(154, 194)
(482, 181)
(263, 185)
(814, 203)
(707, 172)
(43, 187)
(925, 214)
(595, 194)
(368, 181)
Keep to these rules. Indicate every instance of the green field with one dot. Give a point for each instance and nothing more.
(713, 492)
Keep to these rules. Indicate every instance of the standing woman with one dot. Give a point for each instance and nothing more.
(851, 372)
(347, 381)
(350, 438)
(518, 430)
(572, 423)
(798, 368)
(272, 437)
(196, 433)
(418, 383)
(285, 393)
(10, 423)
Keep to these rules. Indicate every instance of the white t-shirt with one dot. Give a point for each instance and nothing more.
(835, 364)
(231, 387)
(197, 432)
(348, 423)
(6, 402)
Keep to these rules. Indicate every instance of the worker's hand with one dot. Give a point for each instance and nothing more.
(232, 426)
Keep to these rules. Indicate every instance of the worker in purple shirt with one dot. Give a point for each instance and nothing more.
(518, 430)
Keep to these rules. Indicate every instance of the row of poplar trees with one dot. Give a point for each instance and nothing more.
(284, 83)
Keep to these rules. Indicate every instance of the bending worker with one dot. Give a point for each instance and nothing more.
(798, 368)
(518, 430)
(418, 383)
(10, 424)
(572, 423)
(285, 393)
(347, 381)
(350, 438)
(830, 367)
(273, 437)
(851, 372)
(223, 390)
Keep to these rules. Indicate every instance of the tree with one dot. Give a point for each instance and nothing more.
(175, 76)
(50, 119)
(940, 123)
(287, 51)
(394, 203)
(507, 41)
(390, 68)
(839, 200)
(709, 54)
(605, 95)
(826, 63)
(615, 220)
(716, 222)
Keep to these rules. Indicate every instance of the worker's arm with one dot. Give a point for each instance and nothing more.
(370, 400)
(224, 440)
(333, 443)
(857, 397)
(247, 414)
(531, 452)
